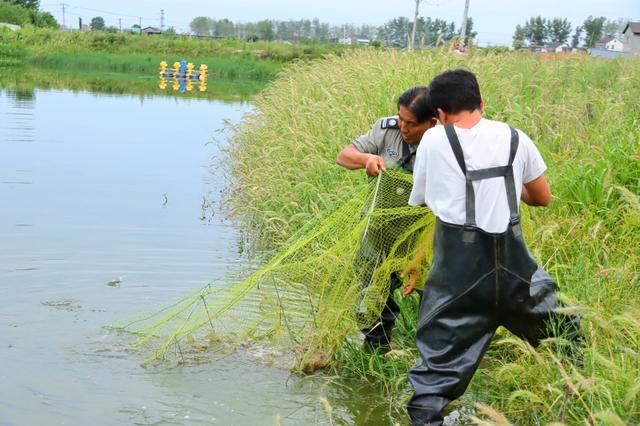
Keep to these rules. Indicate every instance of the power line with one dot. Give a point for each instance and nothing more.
(105, 12)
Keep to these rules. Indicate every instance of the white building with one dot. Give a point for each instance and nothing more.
(354, 40)
(610, 43)
(615, 45)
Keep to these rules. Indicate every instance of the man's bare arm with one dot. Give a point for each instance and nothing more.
(350, 158)
(537, 192)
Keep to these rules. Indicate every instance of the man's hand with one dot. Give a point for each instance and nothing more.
(374, 165)
(413, 272)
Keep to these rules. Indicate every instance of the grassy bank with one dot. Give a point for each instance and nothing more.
(582, 113)
(129, 53)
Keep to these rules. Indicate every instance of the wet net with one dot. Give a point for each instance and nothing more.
(331, 279)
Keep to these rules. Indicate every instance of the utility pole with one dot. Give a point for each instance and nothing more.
(63, 15)
(80, 23)
(412, 40)
(140, 24)
(120, 23)
(463, 30)
(162, 20)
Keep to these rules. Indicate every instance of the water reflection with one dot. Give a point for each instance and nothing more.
(19, 119)
(23, 81)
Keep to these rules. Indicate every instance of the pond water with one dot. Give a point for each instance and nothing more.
(102, 215)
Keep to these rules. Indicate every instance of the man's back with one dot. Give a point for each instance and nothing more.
(440, 184)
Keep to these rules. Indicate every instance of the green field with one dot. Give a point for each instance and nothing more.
(583, 115)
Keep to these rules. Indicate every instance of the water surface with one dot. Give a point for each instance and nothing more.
(104, 212)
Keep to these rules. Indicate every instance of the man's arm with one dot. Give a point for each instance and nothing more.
(350, 158)
(537, 192)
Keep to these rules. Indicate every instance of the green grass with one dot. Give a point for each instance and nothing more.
(583, 115)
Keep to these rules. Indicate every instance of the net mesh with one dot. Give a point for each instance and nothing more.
(328, 281)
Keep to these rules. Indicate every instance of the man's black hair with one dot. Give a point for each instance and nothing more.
(454, 91)
(415, 100)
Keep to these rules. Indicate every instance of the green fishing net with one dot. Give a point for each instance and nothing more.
(329, 280)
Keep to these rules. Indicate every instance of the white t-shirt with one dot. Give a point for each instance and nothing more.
(439, 183)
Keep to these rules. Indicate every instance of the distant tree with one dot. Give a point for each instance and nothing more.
(223, 28)
(321, 31)
(593, 29)
(200, 26)
(395, 33)
(368, 31)
(43, 20)
(614, 28)
(170, 31)
(519, 37)
(111, 29)
(429, 32)
(558, 29)
(470, 35)
(434, 32)
(29, 4)
(536, 30)
(577, 34)
(265, 30)
(97, 23)
(306, 29)
(14, 14)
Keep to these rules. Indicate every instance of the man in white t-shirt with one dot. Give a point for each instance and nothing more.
(471, 173)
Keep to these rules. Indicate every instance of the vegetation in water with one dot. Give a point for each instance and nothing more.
(583, 115)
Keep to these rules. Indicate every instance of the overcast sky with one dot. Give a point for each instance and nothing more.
(494, 20)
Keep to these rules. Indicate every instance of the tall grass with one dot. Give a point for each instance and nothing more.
(583, 115)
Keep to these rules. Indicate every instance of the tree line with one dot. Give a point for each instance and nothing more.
(539, 31)
(429, 32)
(23, 12)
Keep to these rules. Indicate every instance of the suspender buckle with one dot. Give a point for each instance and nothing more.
(468, 234)
(514, 224)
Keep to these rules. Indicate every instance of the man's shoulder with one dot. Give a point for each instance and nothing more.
(386, 129)
(388, 123)
(497, 125)
(433, 137)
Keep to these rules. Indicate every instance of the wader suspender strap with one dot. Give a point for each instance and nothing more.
(471, 175)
